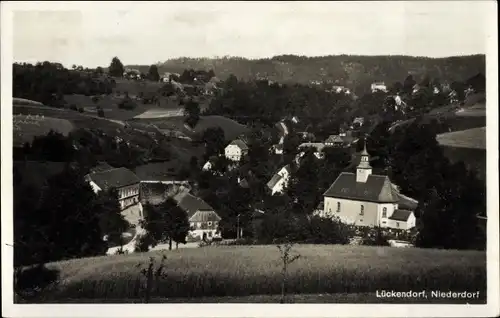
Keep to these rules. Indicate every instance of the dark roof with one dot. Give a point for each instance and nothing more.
(406, 203)
(191, 204)
(205, 216)
(114, 178)
(239, 143)
(377, 188)
(334, 138)
(274, 180)
(400, 215)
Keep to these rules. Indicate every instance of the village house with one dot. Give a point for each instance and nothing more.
(126, 183)
(236, 150)
(334, 141)
(203, 220)
(366, 199)
(279, 181)
(317, 147)
(379, 87)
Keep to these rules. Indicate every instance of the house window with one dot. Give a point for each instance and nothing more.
(192, 224)
(397, 224)
(209, 223)
(362, 212)
(384, 212)
(338, 206)
(198, 224)
(209, 234)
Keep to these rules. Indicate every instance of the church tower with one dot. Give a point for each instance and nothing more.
(364, 169)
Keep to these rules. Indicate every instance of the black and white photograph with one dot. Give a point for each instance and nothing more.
(245, 154)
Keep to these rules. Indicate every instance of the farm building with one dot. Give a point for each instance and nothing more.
(126, 183)
(366, 199)
(279, 181)
(204, 221)
(236, 150)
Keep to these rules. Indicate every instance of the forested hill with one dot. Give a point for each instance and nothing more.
(353, 71)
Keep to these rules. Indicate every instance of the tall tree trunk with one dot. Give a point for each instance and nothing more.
(170, 244)
(176, 245)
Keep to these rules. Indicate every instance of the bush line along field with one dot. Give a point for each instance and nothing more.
(255, 270)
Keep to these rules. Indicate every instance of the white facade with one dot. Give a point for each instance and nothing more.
(359, 213)
(282, 183)
(403, 225)
(234, 152)
(207, 166)
(378, 87)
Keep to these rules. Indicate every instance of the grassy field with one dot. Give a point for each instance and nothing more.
(78, 120)
(27, 127)
(108, 103)
(232, 129)
(471, 138)
(239, 271)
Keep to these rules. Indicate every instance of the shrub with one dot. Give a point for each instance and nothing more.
(80, 109)
(73, 107)
(100, 112)
(127, 104)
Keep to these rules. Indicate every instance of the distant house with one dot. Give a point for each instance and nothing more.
(280, 180)
(204, 221)
(236, 150)
(358, 121)
(277, 149)
(334, 141)
(295, 119)
(378, 87)
(282, 128)
(127, 185)
(317, 146)
(365, 199)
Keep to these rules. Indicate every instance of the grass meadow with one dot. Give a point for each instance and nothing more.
(232, 129)
(27, 127)
(248, 271)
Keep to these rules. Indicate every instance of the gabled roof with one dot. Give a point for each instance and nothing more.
(114, 178)
(274, 180)
(334, 139)
(191, 204)
(377, 188)
(205, 216)
(400, 215)
(240, 143)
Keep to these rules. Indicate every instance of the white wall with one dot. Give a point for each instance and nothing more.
(94, 186)
(391, 207)
(350, 211)
(279, 186)
(233, 152)
(402, 225)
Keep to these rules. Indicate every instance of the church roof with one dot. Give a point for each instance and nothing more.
(377, 188)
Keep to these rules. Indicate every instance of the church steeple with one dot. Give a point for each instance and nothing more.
(364, 169)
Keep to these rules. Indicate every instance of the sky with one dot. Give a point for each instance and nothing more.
(91, 34)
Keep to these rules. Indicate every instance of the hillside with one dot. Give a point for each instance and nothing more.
(356, 72)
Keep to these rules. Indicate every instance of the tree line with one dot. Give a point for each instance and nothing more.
(355, 72)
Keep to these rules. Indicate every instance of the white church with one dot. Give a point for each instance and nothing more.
(366, 199)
